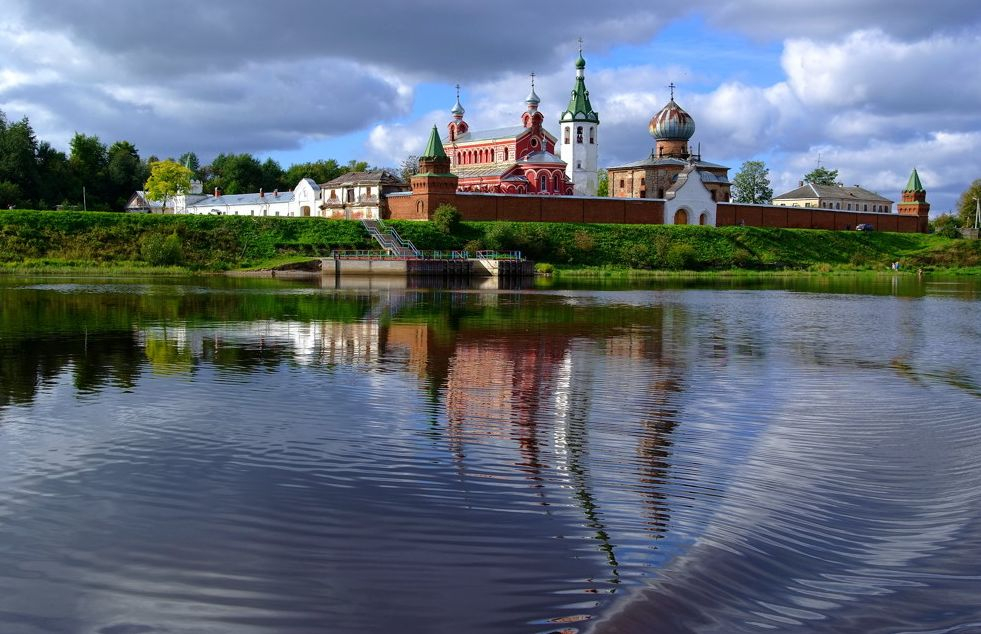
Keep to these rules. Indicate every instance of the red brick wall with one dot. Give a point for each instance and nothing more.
(637, 211)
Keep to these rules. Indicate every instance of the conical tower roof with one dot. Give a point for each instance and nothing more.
(579, 108)
(914, 184)
(434, 148)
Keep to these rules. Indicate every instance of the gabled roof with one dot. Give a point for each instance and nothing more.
(243, 199)
(495, 134)
(379, 177)
(813, 190)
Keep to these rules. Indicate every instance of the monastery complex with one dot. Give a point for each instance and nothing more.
(526, 173)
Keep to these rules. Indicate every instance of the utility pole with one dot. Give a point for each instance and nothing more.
(977, 212)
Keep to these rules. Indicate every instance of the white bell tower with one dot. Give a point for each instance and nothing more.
(579, 136)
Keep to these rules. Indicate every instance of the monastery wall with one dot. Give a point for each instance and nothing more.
(641, 211)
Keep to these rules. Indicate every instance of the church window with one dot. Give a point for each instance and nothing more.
(534, 143)
(866, 208)
(849, 206)
(579, 134)
(643, 181)
(578, 165)
(837, 205)
(505, 154)
(592, 135)
(543, 183)
(566, 136)
(557, 187)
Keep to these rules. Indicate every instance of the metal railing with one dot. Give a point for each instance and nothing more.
(369, 254)
(389, 238)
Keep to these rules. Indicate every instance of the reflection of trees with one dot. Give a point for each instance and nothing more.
(27, 364)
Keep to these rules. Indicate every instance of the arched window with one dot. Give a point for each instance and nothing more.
(592, 134)
(557, 183)
(505, 154)
(579, 134)
(566, 136)
(543, 183)
(702, 219)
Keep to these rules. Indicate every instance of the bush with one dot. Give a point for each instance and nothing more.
(681, 256)
(161, 250)
(446, 218)
(544, 268)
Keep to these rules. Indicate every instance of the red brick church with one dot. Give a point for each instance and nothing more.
(513, 160)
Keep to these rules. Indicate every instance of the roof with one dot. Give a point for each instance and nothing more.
(653, 161)
(672, 122)
(541, 157)
(494, 134)
(579, 108)
(434, 149)
(243, 199)
(379, 177)
(813, 190)
(485, 169)
(914, 184)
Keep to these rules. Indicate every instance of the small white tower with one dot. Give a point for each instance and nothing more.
(579, 135)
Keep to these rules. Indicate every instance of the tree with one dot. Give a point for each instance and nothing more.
(356, 166)
(190, 161)
(167, 179)
(446, 218)
(235, 173)
(272, 174)
(821, 176)
(752, 184)
(18, 158)
(409, 167)
(603, 185)
(57, 182)
(966, 205)
(88, 160)
(125, 173)
(320, 171)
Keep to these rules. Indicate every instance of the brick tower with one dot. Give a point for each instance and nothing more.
(914, 201)
(434, 184)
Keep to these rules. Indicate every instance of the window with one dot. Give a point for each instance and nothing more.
(578, 165)
(566, 141)
(579, 134)
(558, 186)
(643, 181)
(534, 143)
(866, 208)
(543, 183)
(849, 206)
(592, 135)
(837, 205)
(505, 154)
(621, 183)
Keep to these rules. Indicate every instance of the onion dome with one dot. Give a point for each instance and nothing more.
(457, 109)
(672, 123)
(579, 108)
(580, 63)
(532, 98)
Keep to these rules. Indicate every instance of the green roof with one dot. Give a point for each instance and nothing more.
(579, 108)
(434, 149)
(914, 184)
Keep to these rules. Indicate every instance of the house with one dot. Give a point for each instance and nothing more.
(303, 201)
(139, 203)
(357, 195)
(837, 197)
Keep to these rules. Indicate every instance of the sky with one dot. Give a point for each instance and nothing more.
(871, 88)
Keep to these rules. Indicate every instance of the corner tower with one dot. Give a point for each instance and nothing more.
(914, 201)
(580, 135)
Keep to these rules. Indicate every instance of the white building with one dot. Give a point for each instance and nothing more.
(579, 136)
(303, 201)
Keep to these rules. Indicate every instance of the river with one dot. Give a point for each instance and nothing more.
(254, 456)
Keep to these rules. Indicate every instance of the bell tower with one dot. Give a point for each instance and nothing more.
(579, 135)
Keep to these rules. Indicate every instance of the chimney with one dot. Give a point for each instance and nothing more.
(217, 192)
(800, 184)
(261, 194)
(276, 193)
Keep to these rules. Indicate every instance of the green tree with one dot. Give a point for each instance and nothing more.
(446, 218)
(57, 182)
(18, 158)
(235, 173)
(167, 179)
(320, 171)
(356, 166)
(190, 161)
(603, 185)
(88, 160)
(821, 176)
(752, 184)
(125, 173)
(10, 195)
(272, 174)
(967, 204)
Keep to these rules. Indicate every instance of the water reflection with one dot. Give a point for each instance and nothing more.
(275, 456)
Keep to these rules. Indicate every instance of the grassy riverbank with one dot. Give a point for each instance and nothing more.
(125, 243)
